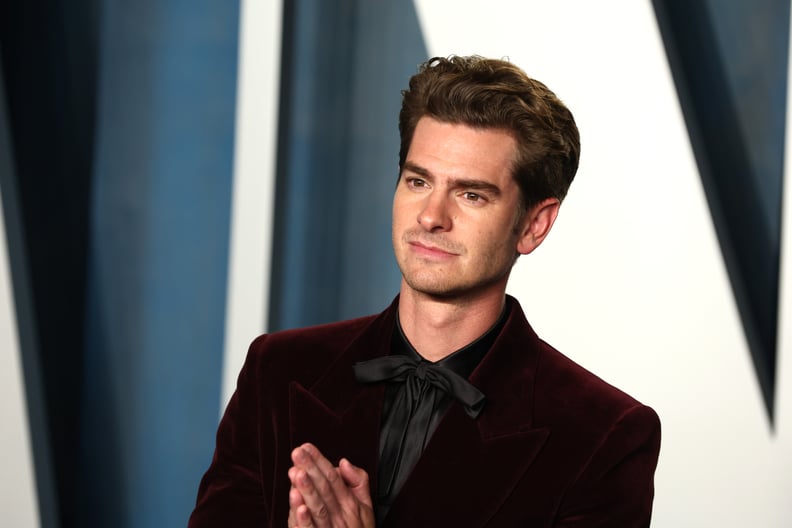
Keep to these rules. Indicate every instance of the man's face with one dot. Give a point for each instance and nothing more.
(455, 211)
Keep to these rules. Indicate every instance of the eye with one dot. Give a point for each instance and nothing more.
(416, 183)
(472, 197)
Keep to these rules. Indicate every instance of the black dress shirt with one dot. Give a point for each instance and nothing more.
(394, 467)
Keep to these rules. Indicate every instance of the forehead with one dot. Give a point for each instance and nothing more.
(463, 152)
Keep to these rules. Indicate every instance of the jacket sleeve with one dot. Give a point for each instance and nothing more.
(616, 486)
(231, 492)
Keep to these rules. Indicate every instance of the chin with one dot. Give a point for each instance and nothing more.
(450, 285)
(441, 289)
(430, 286)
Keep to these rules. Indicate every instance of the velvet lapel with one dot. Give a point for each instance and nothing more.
(470, 467)
(339, 415)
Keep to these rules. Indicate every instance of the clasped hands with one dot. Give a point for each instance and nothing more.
(326, 496)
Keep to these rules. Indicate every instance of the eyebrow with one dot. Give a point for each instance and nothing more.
(478, 185)
(412, 167)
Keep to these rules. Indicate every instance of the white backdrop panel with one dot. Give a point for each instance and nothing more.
(631, 283)
(254, 183)
(18, 499)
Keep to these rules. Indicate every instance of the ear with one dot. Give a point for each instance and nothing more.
(536, 225)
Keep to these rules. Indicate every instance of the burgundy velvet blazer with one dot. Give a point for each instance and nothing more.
(554, 446)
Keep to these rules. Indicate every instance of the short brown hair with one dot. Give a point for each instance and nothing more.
(491, 93)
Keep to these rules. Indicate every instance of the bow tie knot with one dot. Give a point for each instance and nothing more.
(400, 368)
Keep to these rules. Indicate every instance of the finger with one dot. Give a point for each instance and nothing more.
(316, 461)
(303, 517)
(357, 481)
(328, 471)
(314, 502)
(295, 499)
(331, 474)
(327, 487)
(292, 518)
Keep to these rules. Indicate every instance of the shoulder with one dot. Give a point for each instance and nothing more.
(300, 352)
(562, 387)
(604, 444)
(313, 338)
(570, 396)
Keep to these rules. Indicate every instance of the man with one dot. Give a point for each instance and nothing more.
(446, 409)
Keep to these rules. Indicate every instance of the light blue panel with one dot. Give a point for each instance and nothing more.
(312, 173)
(158, 264)
(345, 64)
(390, 48)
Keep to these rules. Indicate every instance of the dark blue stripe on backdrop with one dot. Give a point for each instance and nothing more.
(729, 61)
(49, 61)
(121, 116)
(158, 265)
(28, 339)
(344, 65)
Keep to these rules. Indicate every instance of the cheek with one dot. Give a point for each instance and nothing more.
(500, 241)
(400, 210)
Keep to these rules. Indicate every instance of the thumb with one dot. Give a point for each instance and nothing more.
(357, 479)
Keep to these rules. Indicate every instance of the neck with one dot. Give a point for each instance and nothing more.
(437, 327)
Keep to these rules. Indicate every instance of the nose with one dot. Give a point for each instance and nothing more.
(435, 214)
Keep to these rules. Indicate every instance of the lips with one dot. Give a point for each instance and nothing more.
(437, 247)
(430, 250)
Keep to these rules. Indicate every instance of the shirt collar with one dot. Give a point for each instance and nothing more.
(462, 361)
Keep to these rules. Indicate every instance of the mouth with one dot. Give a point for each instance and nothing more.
(431, 251)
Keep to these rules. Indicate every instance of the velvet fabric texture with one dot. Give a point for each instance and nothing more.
(554, 446)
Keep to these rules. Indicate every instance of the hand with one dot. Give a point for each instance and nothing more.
(325, 496)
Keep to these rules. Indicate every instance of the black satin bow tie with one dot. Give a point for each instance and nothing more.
(402, 368)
